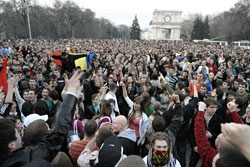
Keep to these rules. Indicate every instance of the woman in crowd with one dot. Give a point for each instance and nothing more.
(137, 118)
(105, 112)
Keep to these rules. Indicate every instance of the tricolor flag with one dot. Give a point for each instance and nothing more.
(57, 61)
(67, 49)
(84, 62)
(79, 59)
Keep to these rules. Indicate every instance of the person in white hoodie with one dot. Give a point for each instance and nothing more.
(126, 135)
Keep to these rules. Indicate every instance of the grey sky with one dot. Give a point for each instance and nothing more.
(123, 12)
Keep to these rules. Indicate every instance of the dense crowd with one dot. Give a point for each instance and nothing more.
(139, 103)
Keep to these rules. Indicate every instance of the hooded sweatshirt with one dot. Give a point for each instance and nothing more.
(128, 139)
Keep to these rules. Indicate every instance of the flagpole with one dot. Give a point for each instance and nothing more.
(28, 17)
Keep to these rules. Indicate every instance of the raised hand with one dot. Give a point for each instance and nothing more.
(73, 84)
(175, 98)
(238, 135)
(202, 106)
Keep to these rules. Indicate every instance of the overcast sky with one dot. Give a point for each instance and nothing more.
(123, 12)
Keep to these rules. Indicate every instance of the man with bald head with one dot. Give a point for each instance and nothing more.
(127, 136)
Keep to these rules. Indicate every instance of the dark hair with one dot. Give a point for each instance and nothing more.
(211, 101)
(242, 73)
(53, 76)
(187, 90)
(230, 156)
(87, 74)
(228, 83)
(218, 82)
(39, 71)
(181, 85)
(240, 102)
(36, 132)
(8, 134)
(238, 80)
(103, 133)
(203, 85)
(35, 91)
(90, 128)
(180, 94)
(152, 91)
(243, 83)
(93, 96)
(172, 67)
(54, 95)
(25, 90)
(219, 93)
(158, 124)
(184, 71)
(32, 78)
(47, 89)
(41, 108)
(112, 101)
(13, 118)
(112, 86)
(230, 92)
(154, 77)
(194, 73)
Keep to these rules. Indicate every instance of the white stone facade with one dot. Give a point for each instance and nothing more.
(166, 25)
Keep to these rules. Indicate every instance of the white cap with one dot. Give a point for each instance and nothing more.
(33, 117)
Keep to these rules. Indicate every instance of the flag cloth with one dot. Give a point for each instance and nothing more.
(68, 49)
(180, 58)
(57, 61)
(3, 78)
(84, 62)
(89, 57)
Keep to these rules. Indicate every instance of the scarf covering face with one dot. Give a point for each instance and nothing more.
(159, 158)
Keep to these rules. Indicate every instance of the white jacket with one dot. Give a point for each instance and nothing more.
(143, 125)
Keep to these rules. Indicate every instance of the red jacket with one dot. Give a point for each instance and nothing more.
(212, 68)
(206, 151)
(235, 116)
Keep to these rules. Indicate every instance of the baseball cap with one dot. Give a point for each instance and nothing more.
(111, 152)
(33, 117)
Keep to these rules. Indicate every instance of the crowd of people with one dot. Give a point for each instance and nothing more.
(139, 103)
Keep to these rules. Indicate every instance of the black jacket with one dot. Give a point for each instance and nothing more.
(128, 139)
(188, 113)
(176, 122)
(49, 147)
